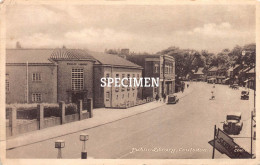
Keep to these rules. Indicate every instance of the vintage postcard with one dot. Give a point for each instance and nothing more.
(129, 82)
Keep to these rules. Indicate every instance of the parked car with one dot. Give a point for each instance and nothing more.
(172, 99)
(244, 95)
(234, 86)
(233, 124)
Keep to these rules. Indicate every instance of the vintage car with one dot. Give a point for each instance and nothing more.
(233, 124)
(172, 99)
(234, 86)
(244, 95)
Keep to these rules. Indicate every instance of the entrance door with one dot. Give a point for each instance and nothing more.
(76, 97)
(107, 99)
(167, 88)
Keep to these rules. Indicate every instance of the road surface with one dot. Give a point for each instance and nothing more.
(180, 131)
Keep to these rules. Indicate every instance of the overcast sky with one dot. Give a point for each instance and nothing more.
(139, 28)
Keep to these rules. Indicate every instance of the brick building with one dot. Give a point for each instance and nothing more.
(161, 66)
(48, 75)
(53, 75)
(75, 74)
(30, 76)
(108, 65)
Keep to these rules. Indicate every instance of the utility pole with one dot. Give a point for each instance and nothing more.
(213, 153)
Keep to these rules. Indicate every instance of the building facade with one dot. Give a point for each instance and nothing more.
(30, 76)
(48, 75)
(212, 75)
(110, 66)
(75, 75)
(198, 75)
(157, 66)
(163, 67)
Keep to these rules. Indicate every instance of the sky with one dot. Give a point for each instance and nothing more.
(141, 28)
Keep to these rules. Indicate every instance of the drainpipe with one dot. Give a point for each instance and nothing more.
(27, 83)
(111, 88)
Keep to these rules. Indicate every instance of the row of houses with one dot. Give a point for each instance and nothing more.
(53, 75)
(243, 75)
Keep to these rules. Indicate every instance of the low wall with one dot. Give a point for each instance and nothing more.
(71, 118)
(51, 121)
(31, 125)
(15, 125)
(85, 114)
(132, 103)
(8, 128)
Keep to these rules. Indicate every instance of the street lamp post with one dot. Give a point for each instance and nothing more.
(59, 144)
(84, 138)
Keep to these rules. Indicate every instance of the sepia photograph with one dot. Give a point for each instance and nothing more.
(131, 81)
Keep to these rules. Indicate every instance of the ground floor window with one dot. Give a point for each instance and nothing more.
(7, 86)
(36, 97)
(107, 96)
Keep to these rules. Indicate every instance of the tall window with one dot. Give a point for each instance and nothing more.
(107, 96)
(36, 77)
(7, 86)
(77, 79)
(117, 88)
(128, 76)
(107, 76)
(36, 97)
(156, 68)
(166, 69)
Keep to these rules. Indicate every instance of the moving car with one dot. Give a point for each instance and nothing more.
(244, 95)
(172, 99)
(233, 124)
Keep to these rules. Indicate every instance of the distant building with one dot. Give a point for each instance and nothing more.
(212, 75)
(250, 81)
(116, 67)
(221, 75)
(198, 75)
(232, 75)
(124, 52)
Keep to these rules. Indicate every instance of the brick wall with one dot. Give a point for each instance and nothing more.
(64, 78)
(116, 96)
(16, 75)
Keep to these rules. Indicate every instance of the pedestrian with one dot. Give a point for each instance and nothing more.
(212, 97)
(157, 97)
(187, 85)
(164, 97)
(182, 89)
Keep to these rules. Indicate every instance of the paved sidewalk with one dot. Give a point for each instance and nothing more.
(101, 116)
